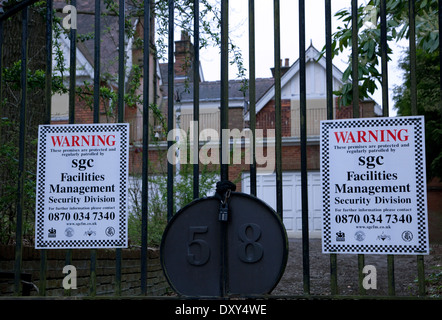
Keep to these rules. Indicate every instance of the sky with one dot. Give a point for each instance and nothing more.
(264, 48)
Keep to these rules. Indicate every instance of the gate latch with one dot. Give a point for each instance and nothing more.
(224, 208)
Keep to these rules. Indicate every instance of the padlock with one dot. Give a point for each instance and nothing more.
(223, 211)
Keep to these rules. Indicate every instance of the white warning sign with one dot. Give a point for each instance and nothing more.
(82, 180)
(374, 186)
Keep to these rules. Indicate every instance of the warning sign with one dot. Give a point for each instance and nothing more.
(374, 186)
(82, 179)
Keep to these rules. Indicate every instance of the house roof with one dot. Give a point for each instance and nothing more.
(210, 91)
(109, 34)
(313, 55)
(265, 89)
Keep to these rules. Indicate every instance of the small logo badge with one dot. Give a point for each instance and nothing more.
(340, 236)
(90, 233)
(69, 232)
(407, 236)
(360, 236)
(383, 237)
(110, 231)
(52, 233)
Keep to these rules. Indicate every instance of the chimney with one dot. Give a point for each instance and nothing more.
(284, 68)
(184, 53)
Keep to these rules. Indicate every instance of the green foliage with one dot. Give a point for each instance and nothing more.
(157, 195)
(209, 35)
(427, 60)
(369, 49)
(428, 104)
(9, 196)
(434, 282)
(210, 24)
(157, 200)
(11, 77)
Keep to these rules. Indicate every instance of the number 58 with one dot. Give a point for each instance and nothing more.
(249, 249)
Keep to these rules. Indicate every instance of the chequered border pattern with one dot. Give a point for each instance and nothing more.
(41, 172)
(420, 179)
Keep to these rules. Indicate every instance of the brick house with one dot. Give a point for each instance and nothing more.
(109, 54)
(238, 116)
(210, 112)
(265, 120)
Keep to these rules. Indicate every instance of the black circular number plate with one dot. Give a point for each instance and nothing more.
(202, 256)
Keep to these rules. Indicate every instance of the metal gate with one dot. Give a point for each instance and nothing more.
(22, 8)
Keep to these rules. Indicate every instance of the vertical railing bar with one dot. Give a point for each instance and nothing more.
(1, 59)
(72, 69)
(118, 261)
(413, 95)
(145, 171)
(390, 274)
(278, 136)
(196, 96)
(170, 111)
(97, 65)
(72, 83)
(329, 89)
(412, 44)
(440, 55)
(121, 91)
(21, 156)
(385, 113)
(93, 273)
(48, 97)
(334, 274)
(68, 261)
(252, 95)
(384, 58)
(303, 131)
(328, 59)
(224, 114)
(421, 275)
(224, 145)
(355, 102)
(440, 65)
(354, 57)
(361, 264)
(121, 60)
(96, 117)
(49, 20)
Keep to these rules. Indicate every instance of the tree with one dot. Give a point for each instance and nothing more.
(209, 34)
(369, 31)
(10, 118)
(427, 60)
(428, 103)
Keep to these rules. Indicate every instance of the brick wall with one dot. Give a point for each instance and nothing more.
(265, 119)
(366, 110)
(105, 271)
(183, 56)
(236, 118)
(84, 113)
(157, 159)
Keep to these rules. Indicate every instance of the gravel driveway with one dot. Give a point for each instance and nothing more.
(405, 271)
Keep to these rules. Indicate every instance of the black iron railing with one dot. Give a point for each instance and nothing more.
(22, 9)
